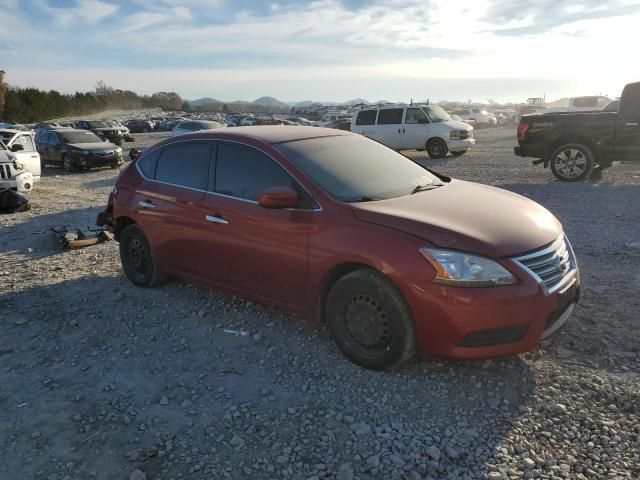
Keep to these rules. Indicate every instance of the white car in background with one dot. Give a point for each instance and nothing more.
(578, 104)
(23, 145)
(13, 175)
(415, 127)
(191, 126)
(479, 115)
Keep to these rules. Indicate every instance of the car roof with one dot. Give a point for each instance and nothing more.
(273, 133)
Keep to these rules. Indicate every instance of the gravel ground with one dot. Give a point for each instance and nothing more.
(99, 379)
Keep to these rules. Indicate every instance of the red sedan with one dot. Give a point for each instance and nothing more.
(397, 259)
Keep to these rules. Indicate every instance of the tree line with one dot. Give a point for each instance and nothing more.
(31, 105)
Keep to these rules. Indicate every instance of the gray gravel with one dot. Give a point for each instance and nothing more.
(99, 379)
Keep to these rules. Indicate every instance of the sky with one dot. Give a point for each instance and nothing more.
(327, 50)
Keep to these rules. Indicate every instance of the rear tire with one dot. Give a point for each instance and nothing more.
(458, 153)
(572, 162)
(370, 321)
(137, 258)
(437, 148)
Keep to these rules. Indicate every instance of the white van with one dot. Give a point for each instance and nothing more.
(425, 127)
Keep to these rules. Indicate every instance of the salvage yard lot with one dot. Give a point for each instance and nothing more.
(99, 379)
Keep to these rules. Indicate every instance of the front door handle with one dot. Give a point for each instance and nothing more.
(216, 219)
(631, 124)
(34, 156)
(146, 204)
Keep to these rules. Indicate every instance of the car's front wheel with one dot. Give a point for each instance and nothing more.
(137, 258)
(437, 148)
(370, 320)
(572, 162)
(67, 164)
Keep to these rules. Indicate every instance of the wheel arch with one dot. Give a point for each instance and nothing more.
(122, 223)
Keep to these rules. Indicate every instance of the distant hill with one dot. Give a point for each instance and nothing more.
(203, 101)
(270, 102)
(356, 101)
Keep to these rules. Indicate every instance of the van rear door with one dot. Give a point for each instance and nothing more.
(628, 125)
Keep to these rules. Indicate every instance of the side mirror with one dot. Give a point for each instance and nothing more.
(278, 197)
(16, 147)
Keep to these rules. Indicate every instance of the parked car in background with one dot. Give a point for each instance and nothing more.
(102, 129)
(396, 261)
(190, 126)
(13, 175)
(340, 124)
(478, 115)
(76, 149)
(471, 122)
(578, 104)
(428, 128)
(577, 144)
(140, 126)
(126, 133)
(23, 145)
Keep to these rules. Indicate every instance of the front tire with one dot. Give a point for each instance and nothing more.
(67, 164)
(458, 153)
(370, 321)
(437, 148)
(572, 162)
(137, 258)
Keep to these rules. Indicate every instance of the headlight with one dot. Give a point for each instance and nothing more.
(466, 270)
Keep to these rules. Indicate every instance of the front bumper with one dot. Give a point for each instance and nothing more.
(94, 161)
(458, 145)
(477, 323)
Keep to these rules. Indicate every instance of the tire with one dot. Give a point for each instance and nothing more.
(437, 148)
(458, 153)
(137, 258)
(572, 162)
(370, 321)
(67, 164)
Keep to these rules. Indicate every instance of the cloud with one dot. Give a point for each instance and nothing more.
(91, 11)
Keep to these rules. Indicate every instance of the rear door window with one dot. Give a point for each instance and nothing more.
(366, 117)
(185, 165)
(26, 142)
(390, 116)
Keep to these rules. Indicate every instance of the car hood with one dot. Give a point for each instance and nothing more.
(467, 216)
(93, 146)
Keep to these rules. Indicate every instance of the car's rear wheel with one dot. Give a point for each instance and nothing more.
(458, 153)
(370, 321)
(68, 164)
(137, 258)
(437, 148)
(572, 162)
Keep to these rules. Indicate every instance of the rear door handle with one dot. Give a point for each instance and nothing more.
(146, 204)
(216, 219)
(631, 124)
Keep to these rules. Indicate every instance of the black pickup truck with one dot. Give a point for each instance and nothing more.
(578, 144)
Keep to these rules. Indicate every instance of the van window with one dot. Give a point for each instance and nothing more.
(390, 116)
(366, 117)
(415, 115)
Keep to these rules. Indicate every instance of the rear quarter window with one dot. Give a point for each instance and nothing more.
(390, 116)
(366, 117)
(147, 164)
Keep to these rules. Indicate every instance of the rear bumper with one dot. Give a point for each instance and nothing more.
(533, 151)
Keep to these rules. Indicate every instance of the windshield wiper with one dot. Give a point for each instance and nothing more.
(422, 188)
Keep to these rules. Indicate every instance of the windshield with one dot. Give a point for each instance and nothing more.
(79, 137)
(352, 168)
(436, 114)
(98, 124)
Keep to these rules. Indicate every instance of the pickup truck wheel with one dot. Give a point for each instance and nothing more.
(370, 321)
(137, 258)
(572, 162)
(436, 148)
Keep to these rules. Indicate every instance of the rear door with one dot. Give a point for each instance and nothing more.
(53, 148)
(627, 146)
(258, 251)
(169, 204)
(415, 130)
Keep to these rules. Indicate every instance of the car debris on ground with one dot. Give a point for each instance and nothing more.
(74, 238)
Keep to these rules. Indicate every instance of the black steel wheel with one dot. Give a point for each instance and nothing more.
(370, 321)
(137, 258)
(437, 148)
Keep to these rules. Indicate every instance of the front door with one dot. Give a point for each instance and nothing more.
(258, 251)
(28, 156)
(415, 131)
(53, 148)
(628, 125)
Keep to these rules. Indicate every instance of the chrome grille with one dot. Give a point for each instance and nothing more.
(552, 266)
